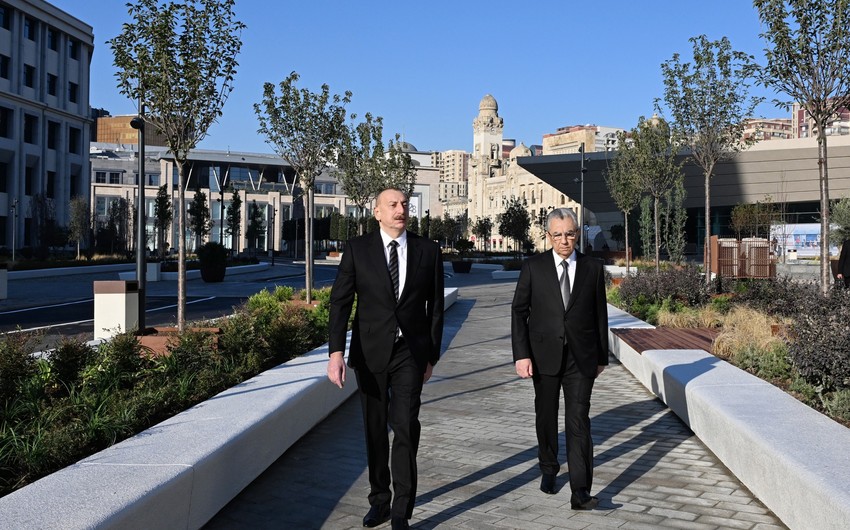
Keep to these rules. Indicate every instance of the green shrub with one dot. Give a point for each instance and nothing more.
(722, 304)
(118, 363)
(820, 344)
(69, 359)
(838, 405)
(284, 293)
(645, 287)
(16, 362)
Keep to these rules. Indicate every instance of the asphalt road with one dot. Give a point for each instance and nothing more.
(57, 307)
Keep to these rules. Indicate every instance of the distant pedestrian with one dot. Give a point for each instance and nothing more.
(844, 263)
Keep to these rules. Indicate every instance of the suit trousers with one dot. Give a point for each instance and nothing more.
(577, 389)
(392, 398)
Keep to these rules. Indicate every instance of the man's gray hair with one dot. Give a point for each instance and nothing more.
(561, 213)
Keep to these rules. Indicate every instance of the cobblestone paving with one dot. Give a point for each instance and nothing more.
(477, 459)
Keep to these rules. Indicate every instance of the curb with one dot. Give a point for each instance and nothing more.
(181, 472)
(793, 458)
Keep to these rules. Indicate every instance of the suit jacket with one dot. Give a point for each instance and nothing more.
(539, 322)
(418, 312)
(844, 259)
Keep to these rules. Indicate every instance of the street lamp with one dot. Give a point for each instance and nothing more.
(14, 208)
(138, 123)
(220, 215)
(581, 199)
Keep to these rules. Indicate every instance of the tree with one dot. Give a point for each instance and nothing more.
(256, 226)
(178, 60)
(675, 217)
(398, 168)
(623, 181)
(482, 230)
(163, 214)
(515, 222)
(306, 129)
(233, 219)
(199, 217)
(709, 101)
(840, 217)
(360, 159)
(808, 58)
(80, 221)
(646, 228)
(654, 163)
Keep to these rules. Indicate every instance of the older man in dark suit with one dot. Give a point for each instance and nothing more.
(395, 343)
(559, 329)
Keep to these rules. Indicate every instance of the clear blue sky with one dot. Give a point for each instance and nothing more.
(424, 66)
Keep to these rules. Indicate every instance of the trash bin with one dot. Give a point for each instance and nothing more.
(791, 254)
(116, 308)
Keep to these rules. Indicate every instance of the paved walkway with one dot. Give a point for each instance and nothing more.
(477, 459)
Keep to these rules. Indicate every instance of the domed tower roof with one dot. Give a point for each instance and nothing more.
(520, 150)
(407, 147)
(488, 106)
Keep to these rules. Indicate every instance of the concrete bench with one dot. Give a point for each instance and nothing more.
(793, 458)
(181, 472)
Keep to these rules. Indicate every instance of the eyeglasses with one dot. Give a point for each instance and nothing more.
(565, 235)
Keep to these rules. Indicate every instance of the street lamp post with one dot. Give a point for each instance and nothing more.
(139, 123)
(581, 200)
(14, 208)
(220, 215)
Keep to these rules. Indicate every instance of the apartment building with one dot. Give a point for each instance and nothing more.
(45, 58)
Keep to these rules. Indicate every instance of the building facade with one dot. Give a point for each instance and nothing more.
(117, 130)
(45, 58)
(570, 139)
(494, 181)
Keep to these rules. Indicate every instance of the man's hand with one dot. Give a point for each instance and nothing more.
(429, 368)
(839, 276)
(336, 369)
(523, 368)
(599, 369)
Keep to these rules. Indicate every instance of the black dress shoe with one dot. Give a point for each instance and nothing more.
(400, 523)
(547, 483)
(582, 500)
(378, 514)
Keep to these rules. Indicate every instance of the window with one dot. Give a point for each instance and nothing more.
(74, 140)
(114, 177)
(30, 129)
(29, 180)
(101, 204)
(4, 177)
(52, 83)
(29, 76)
(74, 49)
(5, 61)
(53, 129)
(5, 17)
(73, 92)
(52, 39)
(100, 177)
(6, 117)
(51, 185)
(29, 28)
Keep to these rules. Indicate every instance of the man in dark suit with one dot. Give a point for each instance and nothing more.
(559, 336)
(843, 272)
(395, 343)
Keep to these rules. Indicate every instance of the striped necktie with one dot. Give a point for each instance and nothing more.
(394, 266)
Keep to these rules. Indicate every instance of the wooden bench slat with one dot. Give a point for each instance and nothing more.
(668, 338)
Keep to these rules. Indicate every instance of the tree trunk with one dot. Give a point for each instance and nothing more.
(825, 272)
(308, 245)
(626, 225)
(181, 247)
(657, 237)
(706, 243)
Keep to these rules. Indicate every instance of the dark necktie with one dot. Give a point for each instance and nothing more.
(565, 283)
(394, 266)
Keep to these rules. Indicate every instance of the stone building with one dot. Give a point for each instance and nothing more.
(45, 58)
(495, 179)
